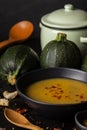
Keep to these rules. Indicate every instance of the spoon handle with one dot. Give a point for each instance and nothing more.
(5, 43)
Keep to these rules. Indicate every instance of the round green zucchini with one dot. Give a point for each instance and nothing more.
(61, 53)
(17, 60)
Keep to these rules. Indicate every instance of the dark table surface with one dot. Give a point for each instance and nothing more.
(12, 12)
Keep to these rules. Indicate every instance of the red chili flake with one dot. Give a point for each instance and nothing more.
(81, 96)
(21, 111)
(53, 86)
(59, 97)
(76, 95)
(61, 91)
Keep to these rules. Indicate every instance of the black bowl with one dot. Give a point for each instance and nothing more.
(80, 118)
(53, 111)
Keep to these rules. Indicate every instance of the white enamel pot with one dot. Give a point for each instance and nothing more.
(69, 20)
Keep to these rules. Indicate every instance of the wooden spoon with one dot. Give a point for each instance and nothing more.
(19, 32)
(19, 120)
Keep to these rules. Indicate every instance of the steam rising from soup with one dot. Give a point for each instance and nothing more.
(58, 91)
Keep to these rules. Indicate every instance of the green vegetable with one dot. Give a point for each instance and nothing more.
(17, 60)
(85, 122)
(84, 64)
(61, 53)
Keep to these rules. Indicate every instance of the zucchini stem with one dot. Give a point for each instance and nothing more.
(61, 37)
(12, 77)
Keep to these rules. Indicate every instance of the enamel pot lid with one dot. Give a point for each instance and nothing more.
(67, 18)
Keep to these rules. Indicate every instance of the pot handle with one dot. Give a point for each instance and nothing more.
(83, 39)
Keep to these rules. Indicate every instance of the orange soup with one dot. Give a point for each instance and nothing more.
(58, 91)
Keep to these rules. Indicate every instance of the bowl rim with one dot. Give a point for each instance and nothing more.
(44, 103)
(76, 119)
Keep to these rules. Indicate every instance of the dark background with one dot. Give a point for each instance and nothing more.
(12, 11)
